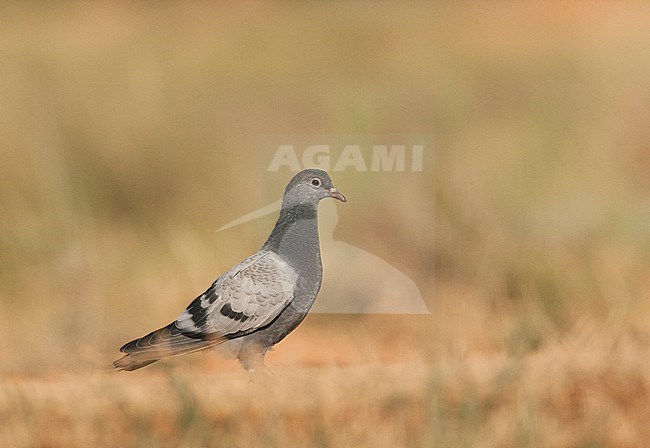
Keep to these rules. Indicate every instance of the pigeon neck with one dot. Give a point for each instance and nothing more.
(295, 235)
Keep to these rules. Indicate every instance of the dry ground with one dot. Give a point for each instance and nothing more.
(357, 381)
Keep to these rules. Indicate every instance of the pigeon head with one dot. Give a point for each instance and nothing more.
(309, 187)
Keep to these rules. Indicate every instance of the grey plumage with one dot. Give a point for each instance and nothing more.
(259, 301)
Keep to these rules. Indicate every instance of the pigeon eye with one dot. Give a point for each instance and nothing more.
(315, 182)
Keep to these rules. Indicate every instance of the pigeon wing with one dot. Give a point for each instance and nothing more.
(248, 297)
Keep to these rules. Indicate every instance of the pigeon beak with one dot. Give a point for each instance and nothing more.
(336, 194)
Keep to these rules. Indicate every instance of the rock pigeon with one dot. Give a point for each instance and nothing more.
(258, 302)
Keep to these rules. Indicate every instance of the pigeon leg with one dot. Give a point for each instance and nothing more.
(251, 358)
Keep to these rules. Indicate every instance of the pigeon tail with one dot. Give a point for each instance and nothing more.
(129, 363)
(162, 343)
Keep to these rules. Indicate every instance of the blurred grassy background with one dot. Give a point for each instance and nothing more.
(129, 133)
